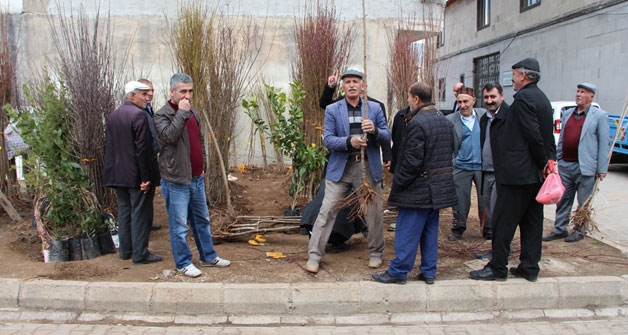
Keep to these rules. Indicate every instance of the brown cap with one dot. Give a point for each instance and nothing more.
(466, 90)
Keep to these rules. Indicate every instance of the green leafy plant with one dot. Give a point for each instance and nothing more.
(287, 136)
(56, 170)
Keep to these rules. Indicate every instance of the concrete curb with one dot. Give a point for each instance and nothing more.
(314, 303)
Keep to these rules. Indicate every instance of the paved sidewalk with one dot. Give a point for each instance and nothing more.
(365, 307)
(615, 326)
(347, 303)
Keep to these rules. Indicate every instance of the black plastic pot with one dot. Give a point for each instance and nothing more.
(58, 251)
(292, 211)
(75, 251)
(90, 247)
(106, 243)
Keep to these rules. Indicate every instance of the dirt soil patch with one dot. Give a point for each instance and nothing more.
(265, 193)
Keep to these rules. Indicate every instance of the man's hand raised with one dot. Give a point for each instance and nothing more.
(332, 81)
(184, 104)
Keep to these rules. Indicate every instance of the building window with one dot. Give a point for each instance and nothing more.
(441, 89)
(485, 70)
(484, 14)
(527, 4)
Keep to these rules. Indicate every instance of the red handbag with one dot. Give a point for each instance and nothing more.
(552, 190)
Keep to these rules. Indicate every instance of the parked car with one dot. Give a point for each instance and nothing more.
(558, 108)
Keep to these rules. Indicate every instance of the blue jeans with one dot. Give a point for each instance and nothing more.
(415, 227)
(188, 203)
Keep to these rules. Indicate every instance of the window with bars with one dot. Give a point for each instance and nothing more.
(527, 4)
(484, 14)
(485, 70)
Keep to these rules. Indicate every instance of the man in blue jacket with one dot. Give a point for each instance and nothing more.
(582, 154)
(346, 132)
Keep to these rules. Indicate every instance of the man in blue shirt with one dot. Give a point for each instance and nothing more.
(467, 159)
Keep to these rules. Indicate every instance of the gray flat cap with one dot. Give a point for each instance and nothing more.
(352, 73)
(588, 86)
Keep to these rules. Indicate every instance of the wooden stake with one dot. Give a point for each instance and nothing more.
(8, 207)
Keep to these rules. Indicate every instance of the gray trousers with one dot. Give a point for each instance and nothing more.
(489, 198)
(334, 192)
(462, 180)
(574, 182)
(134, 222)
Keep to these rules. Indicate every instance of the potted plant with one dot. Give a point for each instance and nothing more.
(65, 210)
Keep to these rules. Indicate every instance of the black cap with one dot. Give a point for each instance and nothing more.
(352, 73)
(528, 63)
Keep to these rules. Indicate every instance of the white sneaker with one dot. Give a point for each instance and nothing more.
(190, 271)
(375, 262)
(312, 266)
(217, 262)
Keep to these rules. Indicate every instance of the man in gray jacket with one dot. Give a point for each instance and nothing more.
(582, 155)
(181, 164)
(467, 159)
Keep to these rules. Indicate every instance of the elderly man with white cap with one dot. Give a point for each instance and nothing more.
(582, 154)
(131, 168)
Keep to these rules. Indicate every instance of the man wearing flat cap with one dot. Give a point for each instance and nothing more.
(346, 131)
(582, 154)
(522, 144)
(131, 168)
(327, 98)
(467, 159)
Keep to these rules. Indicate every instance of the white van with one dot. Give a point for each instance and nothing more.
(558, 107)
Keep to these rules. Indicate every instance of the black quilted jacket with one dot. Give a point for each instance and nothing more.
(423, 177)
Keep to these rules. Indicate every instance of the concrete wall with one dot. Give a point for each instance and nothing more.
(589, 46)
(461, 22)
(141, 25)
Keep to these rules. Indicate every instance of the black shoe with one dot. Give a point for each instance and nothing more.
(487, 236)
(125, 257)
(554, 236)
(428, 281)
(485, 274)
(385, 278)
(454, 237)
(575, 236)
(485, 255)
(338, 248)
(151, 258)
(517, 272)
(155, 226)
